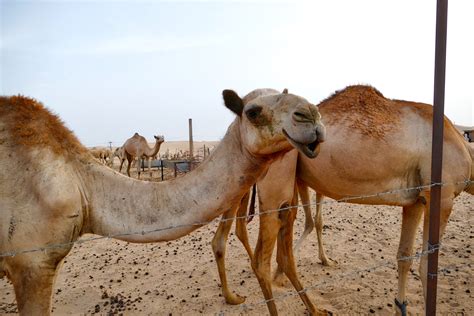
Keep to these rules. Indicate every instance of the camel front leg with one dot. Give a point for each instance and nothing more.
(219, 243)
(129, 159)
(33, 288)
(139, 165)
(241, 225)
(122, 160)
(410, 221)
(261, 261)
(149, 168)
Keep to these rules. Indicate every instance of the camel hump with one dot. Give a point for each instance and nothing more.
(31, 124)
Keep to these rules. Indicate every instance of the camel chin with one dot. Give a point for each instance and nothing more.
(310, 150)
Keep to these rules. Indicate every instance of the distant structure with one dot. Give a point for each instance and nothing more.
(467, 132)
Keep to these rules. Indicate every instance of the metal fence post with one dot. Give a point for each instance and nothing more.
(436, 154)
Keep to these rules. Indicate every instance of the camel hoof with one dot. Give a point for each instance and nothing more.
(328, 262)
(279, 279)
(321, 312)
(234, 299)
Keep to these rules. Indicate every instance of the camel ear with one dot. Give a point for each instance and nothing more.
(285, 91)
(233, 102)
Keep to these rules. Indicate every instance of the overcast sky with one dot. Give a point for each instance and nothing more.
(112, 68)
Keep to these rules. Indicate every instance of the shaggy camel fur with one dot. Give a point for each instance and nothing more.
(389, 149)
(58, 191)
(137, 147)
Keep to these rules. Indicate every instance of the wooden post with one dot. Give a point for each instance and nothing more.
(436, 155)
(191, 144)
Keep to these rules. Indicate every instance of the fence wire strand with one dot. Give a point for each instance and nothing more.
(14, 253)
(322, 284)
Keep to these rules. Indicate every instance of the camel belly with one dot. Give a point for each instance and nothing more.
(372, 181)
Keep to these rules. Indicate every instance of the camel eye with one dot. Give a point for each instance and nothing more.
(253, 113)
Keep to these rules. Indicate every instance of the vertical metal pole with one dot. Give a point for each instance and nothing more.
(161, 167)
(436, 154)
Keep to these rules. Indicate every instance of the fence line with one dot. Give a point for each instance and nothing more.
(326, 282)
(199, 224)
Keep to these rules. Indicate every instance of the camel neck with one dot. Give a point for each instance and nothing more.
(120, 205)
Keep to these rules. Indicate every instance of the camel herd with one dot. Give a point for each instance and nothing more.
(278, 141)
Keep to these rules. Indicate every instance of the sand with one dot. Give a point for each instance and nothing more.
(180, 277)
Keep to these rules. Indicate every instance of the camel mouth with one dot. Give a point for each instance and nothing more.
(310, 150)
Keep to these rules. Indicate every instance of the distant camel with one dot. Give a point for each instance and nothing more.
(137, 146)
(373, 145)
(58, 191)
(102, 154)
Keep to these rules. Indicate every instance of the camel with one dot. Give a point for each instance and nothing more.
(137, 146)
(104, 155)
(389, 149)
(58, 191)
(118, 152)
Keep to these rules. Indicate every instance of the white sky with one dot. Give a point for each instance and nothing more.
(112, 68)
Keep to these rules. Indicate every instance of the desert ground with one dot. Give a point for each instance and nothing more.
(107, 276)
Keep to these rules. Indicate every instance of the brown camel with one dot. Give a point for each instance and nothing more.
(58, 191)
(137, 147)
(389, 149)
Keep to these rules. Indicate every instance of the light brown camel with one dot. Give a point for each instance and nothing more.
(58, 191)
(137, 147)
(373, 145)
(104, 155)
(118, 152)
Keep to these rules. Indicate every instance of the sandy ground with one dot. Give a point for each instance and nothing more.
(180, 277)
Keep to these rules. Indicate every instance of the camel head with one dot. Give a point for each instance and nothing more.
(276, 122)
(159, 139)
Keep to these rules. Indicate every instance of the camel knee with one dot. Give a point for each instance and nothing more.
(218, 247)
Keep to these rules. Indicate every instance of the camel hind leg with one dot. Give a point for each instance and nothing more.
(285, 258)
(303, 191)
(318, 223)
(410, 221)
(446, 206)
(261, 261)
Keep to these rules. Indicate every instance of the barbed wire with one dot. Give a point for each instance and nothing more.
(326, 282)
(14, 253)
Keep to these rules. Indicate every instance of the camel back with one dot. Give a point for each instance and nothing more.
(378, 115)
(374, 111)
(30, 124)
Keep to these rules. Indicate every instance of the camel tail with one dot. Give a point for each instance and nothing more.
(470, 186)
(251, 211)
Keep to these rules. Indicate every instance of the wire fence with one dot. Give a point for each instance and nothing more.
(245, 307)
(199, 224)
